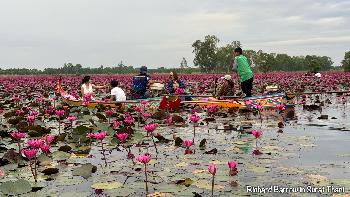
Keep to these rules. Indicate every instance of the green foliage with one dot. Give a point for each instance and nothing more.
(211, 58)
(205, 53)
(346, 62)
(78, 69)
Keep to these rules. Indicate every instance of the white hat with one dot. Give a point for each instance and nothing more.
(227, 77)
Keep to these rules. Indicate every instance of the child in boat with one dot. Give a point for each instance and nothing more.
(227, 87)
(244, 72)
(140, 84)
(87, 87)
(117, 94)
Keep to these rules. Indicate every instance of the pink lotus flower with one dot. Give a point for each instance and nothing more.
(122, 136)
(29, 153)
(116, 124)
(49, 110)
(35, 143)
(194, 118)
(30, 120)
(59, 113)
(18, 135)
(150, 127)
(188, 143)
(147, 115)
(129, 120)
(48, 139)
(169, 120)
(144, 158)
(19, 112)
(212, 169)
(138, 109)
(257, 133)
(2, 173)
(71, 118)
(179, 91)
(212, 109)
(193, 111)
(45, 148)
(16, 98)
(109, 112)
(101, 135)
(232, 165)
(34, 113)
(40, 99)
(90, 135)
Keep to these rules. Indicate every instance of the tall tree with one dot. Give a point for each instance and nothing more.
(346, 62)
(264, 61)
(205, 53)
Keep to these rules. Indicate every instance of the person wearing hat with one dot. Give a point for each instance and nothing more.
(245, 73)
(140, 84)
(227, 87)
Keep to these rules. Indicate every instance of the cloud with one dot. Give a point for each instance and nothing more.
(158, 33)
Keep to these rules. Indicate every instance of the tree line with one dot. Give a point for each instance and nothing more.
(78, 69)
(209, 57)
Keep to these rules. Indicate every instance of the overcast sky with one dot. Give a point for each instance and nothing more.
(48, 33)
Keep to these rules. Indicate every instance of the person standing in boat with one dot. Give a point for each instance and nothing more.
(87, 87)
(117, 94)
(226, 88)
(245, 73)
(175, 84)
(140, 84)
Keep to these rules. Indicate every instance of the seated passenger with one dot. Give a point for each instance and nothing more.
(140, 84)
(175, 83)
(227, 87)
(117, 94)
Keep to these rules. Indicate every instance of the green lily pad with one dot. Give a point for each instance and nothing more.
(186, 182)
(15, 188)
(84, 170)
(108, 185)
(60, 155)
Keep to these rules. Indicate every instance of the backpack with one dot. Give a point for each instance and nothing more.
(139, 84)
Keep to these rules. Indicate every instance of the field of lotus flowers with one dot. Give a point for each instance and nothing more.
(49, 148)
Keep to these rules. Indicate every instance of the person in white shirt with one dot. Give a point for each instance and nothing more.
(87, 87)
(117, 94)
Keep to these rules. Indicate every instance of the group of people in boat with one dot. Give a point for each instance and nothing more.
(142, 82)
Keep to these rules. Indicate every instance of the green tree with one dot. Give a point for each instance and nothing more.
(205, 53)
(346, 62)
(264, 61)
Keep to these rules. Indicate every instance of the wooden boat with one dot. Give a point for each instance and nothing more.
(267, 101)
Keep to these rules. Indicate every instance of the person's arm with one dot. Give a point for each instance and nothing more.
(98, 87)
(182, 84)
(112, 98)
(82, 91)
(234, 65)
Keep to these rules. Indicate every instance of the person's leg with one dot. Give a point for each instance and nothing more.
(243, 87)
(249, 87)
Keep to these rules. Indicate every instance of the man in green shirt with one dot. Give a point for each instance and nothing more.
(244, 72)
